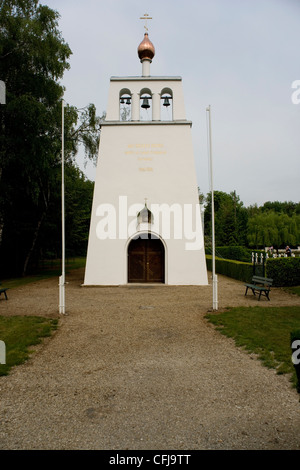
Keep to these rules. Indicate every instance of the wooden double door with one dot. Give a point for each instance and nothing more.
(146, 260)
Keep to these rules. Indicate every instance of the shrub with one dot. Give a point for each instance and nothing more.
(238, 253)
(284, 271)
(234, 269)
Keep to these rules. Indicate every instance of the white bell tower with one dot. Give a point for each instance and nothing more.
(146, 222)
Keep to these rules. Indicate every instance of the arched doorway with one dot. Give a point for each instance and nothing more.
(146, 259)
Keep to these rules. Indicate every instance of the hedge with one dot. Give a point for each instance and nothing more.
(284, 271)
(234, 269)
(237, 253)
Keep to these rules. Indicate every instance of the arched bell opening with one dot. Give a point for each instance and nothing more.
(146, 105)
(166, 105)
(146, 259)
(125, 105)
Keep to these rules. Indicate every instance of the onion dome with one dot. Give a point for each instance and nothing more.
(146, 50)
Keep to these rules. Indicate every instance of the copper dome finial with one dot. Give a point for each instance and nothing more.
(146, 50)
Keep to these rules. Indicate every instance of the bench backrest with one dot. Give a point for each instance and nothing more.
(262, 280)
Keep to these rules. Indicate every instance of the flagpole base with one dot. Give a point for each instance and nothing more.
(215, 292)
(62, 309)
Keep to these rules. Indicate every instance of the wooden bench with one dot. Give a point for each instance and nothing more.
(261, 285)
(3, 290)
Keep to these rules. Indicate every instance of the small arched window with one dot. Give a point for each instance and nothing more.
(145, 216)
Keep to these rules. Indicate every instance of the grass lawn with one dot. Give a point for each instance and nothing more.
(19, 333)
(264, 331)
(293, 290)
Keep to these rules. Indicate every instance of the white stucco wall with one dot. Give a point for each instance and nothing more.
(138, 162)
(149, 160)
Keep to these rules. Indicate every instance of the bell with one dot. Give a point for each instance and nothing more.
(145, 104)
(122, 100)
(128, 101)
(166, 102)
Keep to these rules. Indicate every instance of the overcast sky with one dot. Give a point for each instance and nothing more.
(241, 57)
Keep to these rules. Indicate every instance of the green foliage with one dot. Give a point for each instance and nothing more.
(284, 271)
(19, 333)
(78, 203)
(234, 269)
(262, 330)
(33, 58)
(238, 253)
(272, 228)
(230, 219)
(288, 207)
(274, 224)
(78, 200)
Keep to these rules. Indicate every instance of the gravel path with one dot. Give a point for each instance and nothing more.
(140, 368)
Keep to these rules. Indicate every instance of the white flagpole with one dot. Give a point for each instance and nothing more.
(62, 277)
(214, 276)
(2, 92)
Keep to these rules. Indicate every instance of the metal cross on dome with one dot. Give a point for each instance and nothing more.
(146, 17)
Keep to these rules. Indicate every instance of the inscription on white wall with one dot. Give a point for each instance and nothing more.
(144, 152)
